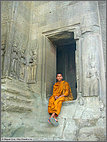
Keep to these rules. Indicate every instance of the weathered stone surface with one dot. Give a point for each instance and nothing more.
(29, 57)
(91, 133)
(14, 99)
(8, 127)
(87, 137)
(102, 13)
(70, 130)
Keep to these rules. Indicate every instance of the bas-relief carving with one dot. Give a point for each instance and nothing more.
(18, 62)
(32, 67)
(22, 64)
(19, 66)
(3, 50)
(93, 75)
(14, 61)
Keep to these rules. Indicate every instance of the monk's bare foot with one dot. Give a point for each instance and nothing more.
(55, 119)
(49, 121)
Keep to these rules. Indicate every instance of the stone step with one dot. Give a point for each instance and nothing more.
(16, 106)
(15, 98)
(8, 81)
(16, 92)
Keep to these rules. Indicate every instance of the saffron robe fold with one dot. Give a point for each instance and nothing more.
(59, 88)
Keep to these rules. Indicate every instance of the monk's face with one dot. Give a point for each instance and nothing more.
(59, 77)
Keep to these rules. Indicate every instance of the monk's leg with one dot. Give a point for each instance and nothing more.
(54, 108)
(58, 107)
(51, 105)
(53, 114)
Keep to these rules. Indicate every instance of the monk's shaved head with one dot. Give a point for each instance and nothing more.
(59, 73)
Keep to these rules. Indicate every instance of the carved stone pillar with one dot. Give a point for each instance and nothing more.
(77, 37)
(90, 65)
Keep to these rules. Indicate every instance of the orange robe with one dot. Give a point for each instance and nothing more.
(59, 88)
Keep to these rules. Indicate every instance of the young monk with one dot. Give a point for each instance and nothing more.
(61, 93)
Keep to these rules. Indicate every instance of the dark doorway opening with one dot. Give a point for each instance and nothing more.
(65, 58)
(66, 65)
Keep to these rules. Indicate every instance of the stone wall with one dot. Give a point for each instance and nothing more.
(53, 17)
(5, 27)
(24, 79)
(102, 14)
(16, 24)
(16, 96)
(102, 17)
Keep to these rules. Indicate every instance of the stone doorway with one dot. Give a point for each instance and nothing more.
(66, 64)
(65, 46)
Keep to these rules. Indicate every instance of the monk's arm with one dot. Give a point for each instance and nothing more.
(54, 91)
(66, 90)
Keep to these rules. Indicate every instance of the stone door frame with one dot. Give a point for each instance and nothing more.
(77, 33)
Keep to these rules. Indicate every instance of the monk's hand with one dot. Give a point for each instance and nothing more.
(56, 97)
(61, 96)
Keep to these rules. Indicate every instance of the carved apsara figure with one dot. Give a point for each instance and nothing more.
(14, 61)
(93, 76)
(32, 66)
(22, 64)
